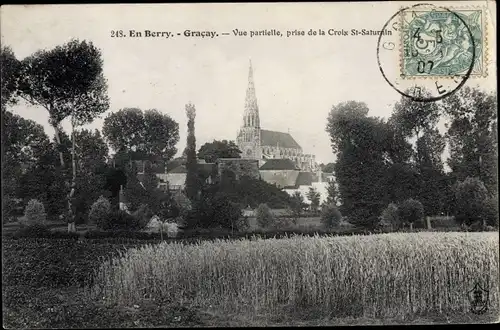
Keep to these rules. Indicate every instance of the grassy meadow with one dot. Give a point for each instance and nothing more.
(386, 276)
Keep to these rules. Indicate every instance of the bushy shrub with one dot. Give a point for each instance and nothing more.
(330, 216)
(34, 214)
(471, 201)
(143, 215)
(265, 218)
(242, 224)
(225, 213)
(390, 217)
(215, 210)
(100, 212)
(411, 211)
(121, 220)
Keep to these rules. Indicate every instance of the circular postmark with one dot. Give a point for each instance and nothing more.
(427, 52)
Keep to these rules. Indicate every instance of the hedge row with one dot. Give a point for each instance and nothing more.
(195, 234)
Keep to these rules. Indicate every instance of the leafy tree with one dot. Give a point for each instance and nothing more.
(150, 180)
(330, 216)
(332, 197)
(472, 135)
(211, 151)
(402, 176)
(390, 216)
(491, 211)
(24, 144)
(91, 151)
(472, 202)
(314, 197)
(90, 165)
(10, 73)
(297, 205)
(265, 218)
(411, 211)
(415, 117)
(115, 178)
(225, 212)
(401, 182)
(91, 154)
(250, 191)
(361, 146)
(42, 179)
(227, 181)
(193, 184)
(135, 192)
(214, 209)
(148, 135)
(342, 123)
(417, 121)
(66, 81)
(431, 186)
(328, 168)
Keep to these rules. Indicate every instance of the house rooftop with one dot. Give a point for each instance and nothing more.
(279, 164)
(280, 139)
(205, 168)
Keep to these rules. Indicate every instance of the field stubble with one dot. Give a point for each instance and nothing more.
(379, 276)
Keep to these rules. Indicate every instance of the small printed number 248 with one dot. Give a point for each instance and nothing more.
(117, 34)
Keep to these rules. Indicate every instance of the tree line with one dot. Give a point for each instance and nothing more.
(71, 171)
(379, 161)
(388, 161)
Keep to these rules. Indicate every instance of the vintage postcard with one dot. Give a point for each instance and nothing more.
(249, 164)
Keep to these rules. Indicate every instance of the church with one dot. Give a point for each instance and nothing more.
(261, 144)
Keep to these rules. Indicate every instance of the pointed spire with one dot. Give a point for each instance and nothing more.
(250, 74)
(251, 115)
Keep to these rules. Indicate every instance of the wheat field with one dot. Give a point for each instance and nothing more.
(383, 276)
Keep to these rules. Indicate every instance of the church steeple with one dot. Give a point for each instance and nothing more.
(251, 114)
(249, 139)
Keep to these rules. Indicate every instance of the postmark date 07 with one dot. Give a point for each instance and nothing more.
(117, 34)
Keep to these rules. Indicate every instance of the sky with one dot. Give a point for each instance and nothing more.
(297, 79)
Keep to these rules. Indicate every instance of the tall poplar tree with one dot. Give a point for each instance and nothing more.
(192, 184)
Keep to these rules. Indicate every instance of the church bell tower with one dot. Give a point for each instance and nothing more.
(248, 139)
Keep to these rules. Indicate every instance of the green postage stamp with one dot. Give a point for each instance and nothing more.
(437, 42)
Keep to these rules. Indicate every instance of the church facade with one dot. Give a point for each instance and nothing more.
(261, 144)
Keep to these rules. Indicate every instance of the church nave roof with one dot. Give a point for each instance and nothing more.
(280, 139)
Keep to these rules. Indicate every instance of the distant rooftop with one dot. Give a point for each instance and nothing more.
(280, 139)
(279, 164)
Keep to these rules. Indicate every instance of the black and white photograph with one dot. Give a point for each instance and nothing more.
(249, 164)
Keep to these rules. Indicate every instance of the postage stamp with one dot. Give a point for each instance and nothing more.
(442, 42)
